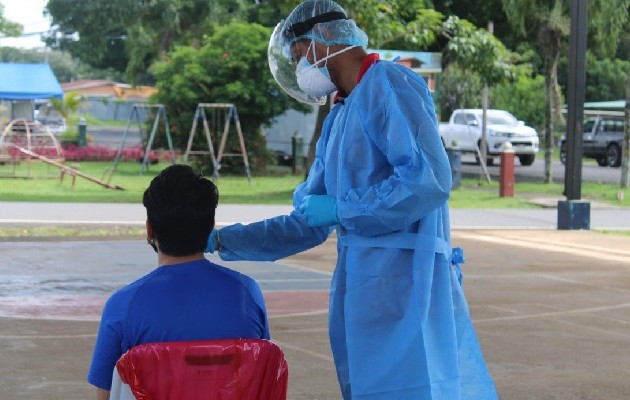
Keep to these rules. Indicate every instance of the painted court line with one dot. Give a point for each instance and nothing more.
(600, 253)
(284, 346)
(554, 313)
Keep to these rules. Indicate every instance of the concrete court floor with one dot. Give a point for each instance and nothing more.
(551, 308)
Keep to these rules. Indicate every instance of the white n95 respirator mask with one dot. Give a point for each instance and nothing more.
(314, 80)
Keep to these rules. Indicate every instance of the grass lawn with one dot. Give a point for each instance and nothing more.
(44, 186)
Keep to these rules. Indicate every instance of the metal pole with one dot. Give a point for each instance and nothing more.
(575, 100)
(573, 213)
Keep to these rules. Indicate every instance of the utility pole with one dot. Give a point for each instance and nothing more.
(574, 213)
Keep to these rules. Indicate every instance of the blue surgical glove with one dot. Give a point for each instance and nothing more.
(319, 210)
(213, 242)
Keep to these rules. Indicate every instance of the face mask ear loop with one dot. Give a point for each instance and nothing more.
(312, 46)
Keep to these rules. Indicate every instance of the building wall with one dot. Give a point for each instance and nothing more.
(104, 90)
(5, 111)
(291, 123)
(109, 109)
(13, 109)
(23, 109)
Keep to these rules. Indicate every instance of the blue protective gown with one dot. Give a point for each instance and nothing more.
(399, 324)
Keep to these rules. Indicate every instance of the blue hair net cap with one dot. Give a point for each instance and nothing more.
(323, 21)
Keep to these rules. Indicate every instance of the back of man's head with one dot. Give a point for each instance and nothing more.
(180, 207)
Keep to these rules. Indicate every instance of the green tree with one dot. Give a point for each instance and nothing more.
(612, 18)
(229, 67)
(479, 51)
(397, 24)
(458, 89)
(523, 97)
(480, 13)
(101, 27)
(547, 23)
(67, 106)
(605, 78)
(128, 35)
(8, 28)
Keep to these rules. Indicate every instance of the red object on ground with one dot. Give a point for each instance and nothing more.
(243, 369)
(506, 173)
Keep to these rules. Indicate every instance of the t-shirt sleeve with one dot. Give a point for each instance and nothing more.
(108, 346)
(259, 300)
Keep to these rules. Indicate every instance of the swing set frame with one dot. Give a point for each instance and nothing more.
(160, 113)
(231, 114)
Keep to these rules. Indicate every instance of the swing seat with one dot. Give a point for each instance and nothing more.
(244, 369)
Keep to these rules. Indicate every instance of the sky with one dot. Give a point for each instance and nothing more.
(29, 13)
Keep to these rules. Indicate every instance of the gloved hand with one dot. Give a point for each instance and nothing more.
(319, 210)
(213, 242)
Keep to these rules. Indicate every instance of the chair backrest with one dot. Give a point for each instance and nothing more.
(222, 369)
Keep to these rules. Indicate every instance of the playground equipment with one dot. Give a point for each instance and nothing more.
(31, 141)
(73, 172)
(221, 113)
(160, 113)
(32, 136)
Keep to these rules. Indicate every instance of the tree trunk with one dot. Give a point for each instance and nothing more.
(165, 44)
(626, 139)
(548, 136)
(556, 101)
(322, 113)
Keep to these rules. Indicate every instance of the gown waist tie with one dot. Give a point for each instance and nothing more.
(410, 241)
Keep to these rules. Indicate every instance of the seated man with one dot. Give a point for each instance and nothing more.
(187, 297)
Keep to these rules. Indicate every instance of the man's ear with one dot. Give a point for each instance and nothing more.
(150, 233)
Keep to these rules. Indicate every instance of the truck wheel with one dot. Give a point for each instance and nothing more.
(602, 161)
(526, 159)
(613, 155)
(563, 154)
(489, 159)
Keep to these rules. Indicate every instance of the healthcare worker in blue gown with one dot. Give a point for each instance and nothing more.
(398, 321)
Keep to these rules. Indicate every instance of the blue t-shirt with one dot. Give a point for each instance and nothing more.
(196, 300)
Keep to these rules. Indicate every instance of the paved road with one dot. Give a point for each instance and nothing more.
(112, 136)
(16, 213)
(591, 172)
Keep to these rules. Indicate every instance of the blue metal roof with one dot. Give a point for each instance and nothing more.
(20, 81)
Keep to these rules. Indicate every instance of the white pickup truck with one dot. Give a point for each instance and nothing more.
(463, 132)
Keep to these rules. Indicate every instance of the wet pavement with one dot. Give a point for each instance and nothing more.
(551, 308)
(34, 282)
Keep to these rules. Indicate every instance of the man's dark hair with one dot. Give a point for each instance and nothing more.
(180, 206)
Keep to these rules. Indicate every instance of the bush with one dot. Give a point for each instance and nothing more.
(525, 98)
(230, 67)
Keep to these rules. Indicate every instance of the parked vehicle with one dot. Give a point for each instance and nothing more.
(55, 123)
(464, 130)
(602, 140)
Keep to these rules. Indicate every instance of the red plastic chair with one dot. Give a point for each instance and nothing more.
(243, 369)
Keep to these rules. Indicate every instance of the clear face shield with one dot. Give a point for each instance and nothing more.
(283, 58)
